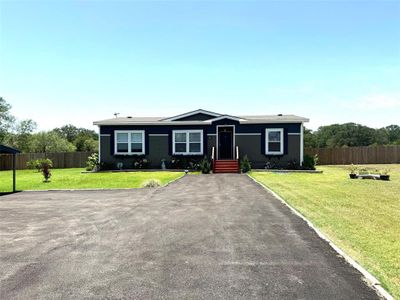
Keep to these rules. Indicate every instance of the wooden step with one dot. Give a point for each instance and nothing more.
(226, 166)
(226, 171)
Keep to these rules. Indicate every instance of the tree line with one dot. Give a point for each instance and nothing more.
(69, 138)
(22, 135)
(351, 135)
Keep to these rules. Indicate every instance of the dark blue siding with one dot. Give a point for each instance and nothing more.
(207, 129)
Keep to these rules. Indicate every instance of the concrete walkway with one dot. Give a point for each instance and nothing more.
(201, 237)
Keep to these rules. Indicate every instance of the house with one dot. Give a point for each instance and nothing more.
(266, 139)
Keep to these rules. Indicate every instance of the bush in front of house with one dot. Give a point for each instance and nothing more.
(141, 162)
(293, 164)
(205, 165)
(92, 163)
(273, 163)
(151, 183)
(185, 162)
(245, 165)
(309, 162)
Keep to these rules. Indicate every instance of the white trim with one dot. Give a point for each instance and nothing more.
(294, 133)
(211, 134)
(267, 152)
(129, 132)
(158, 134)
(187, 142)
(191, 113)
(374, 283)
(105, 134)
(99, 146)
(233, 142)
(224, 117)
(301, 144)
(250, 133)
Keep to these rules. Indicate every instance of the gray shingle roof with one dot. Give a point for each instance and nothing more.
(255, 119)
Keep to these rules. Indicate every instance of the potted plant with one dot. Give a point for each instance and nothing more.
(353, 169)
(384, 175)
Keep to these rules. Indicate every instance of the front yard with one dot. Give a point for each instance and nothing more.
(360, 216)
(74, 179)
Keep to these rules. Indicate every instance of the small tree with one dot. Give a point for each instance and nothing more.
(245, 164)
(45, 165)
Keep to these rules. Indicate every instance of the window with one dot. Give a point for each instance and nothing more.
(274, 141)
(129, 142)
(188, 142)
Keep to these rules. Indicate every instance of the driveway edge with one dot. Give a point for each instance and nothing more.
(375, 283)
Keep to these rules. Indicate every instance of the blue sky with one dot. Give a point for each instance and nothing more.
(79, 61)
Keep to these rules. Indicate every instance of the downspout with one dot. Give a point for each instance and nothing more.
(301, 144)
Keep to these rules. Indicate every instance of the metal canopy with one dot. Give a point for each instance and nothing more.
(8, 150)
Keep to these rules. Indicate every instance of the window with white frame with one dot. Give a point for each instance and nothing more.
(129, 142)
(187, 142)
(274, 141)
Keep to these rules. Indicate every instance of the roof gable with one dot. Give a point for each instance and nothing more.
(196, 115)
(225, 117)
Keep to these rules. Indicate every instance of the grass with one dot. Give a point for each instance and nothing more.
(361, 216)
(74, 179)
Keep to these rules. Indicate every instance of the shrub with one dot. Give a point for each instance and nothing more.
(151, 183)
(140, 162)
(92, 162)
(205, 166)
(39, 164)
(33, 164)
(184, 162)
(245, 164)
(310, 162)
(272, 163)
(293, 165)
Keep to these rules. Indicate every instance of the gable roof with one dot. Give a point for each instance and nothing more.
(176, 120)
(222, 117)
(191, 113)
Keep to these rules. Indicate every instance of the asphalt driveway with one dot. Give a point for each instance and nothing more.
(211, 236)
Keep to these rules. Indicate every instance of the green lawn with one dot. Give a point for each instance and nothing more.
(360, 216)
(74, 179)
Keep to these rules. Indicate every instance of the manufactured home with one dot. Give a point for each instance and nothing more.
(266, 139)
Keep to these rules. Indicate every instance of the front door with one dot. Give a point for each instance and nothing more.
(225, 142)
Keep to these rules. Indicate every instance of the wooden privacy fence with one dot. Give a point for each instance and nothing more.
(60, 160)
(356, 155)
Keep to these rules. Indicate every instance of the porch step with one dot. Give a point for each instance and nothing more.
(226, 166)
